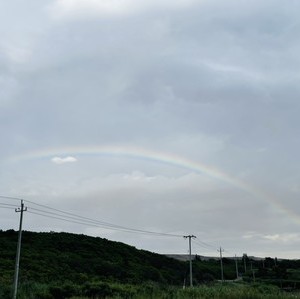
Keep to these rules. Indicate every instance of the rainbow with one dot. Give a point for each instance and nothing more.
(158, 157)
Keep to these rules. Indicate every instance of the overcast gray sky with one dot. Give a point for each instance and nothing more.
(175, 116)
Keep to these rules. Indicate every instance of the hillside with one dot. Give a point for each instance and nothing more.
(62, 265)
(78, 258)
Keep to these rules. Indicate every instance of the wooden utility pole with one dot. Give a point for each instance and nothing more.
(190, 256)
(236, 267)
(244, 258)
(16, 277)
(221, 262)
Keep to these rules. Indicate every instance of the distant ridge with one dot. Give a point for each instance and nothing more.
(186, 257)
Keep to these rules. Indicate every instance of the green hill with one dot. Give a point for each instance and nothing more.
(78, 258)
(63, 265)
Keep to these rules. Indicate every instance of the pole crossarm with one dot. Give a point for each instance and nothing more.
(190, 236)
(22, 209)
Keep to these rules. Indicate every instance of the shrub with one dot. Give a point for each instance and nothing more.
(97, 290)
(64, 291)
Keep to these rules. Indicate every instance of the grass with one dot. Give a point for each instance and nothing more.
(150, 291)
(217, 291)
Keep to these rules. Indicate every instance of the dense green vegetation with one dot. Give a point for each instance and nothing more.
(78, 258)
(63, 265)
(148, 291)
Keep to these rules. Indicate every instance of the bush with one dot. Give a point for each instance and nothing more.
(207, 277)
(97, 290)
(32, 290)
(5, 292)
(64, 291)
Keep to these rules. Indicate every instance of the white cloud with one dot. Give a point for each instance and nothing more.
(58, 160)
(275, 237)
(249, 235)
(288, 237)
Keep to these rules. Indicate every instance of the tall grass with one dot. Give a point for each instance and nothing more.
(102, 290)
(229, 291)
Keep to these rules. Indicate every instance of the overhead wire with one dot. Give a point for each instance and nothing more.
(90, 220)
(10, 208)
(60, 218)
(67, 216)
(205, 245)
(91, 224)
(7, 204)
(10, 197)
(58, 214)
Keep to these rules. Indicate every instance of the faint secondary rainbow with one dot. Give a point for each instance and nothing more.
(158, 157)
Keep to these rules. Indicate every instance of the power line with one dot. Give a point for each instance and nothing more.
(7, 204)
(203, 248)
(205, 245)
(9, 208)
(63, 219)
(12, 198)
(85, 220)
(56, 214)
(93, 222)
(104, 223)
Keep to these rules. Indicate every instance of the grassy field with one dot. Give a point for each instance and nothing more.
(231, 291)
(151, 291)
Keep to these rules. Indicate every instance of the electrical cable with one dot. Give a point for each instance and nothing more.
(9, 197)
(94, 225)
(74, 218)
(204, 244)
(7, 204)
(104, 222)
(10, 208)
(98, 223)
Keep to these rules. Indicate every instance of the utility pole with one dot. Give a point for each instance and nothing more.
(244, 258)
(221, 262)
(18, 210)
(236, 267)
(190, 250)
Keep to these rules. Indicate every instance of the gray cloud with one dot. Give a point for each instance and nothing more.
(213, 82)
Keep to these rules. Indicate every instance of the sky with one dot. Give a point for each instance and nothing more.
(178, 117)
